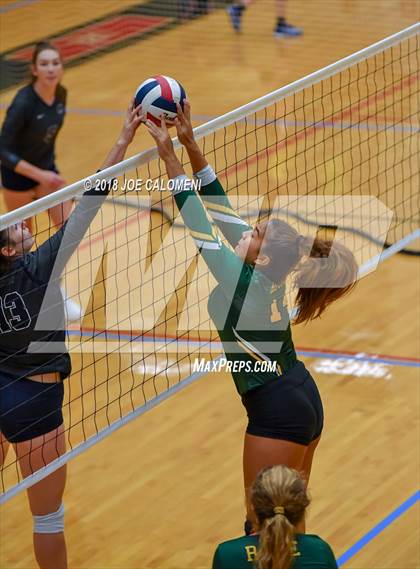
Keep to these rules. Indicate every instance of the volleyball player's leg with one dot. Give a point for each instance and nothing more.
(308, 458)
(59, 213)
(261, 452)
(4, 447)
(14, 199)
(46, 496)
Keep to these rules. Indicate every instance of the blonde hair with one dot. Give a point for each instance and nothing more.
(279, 499)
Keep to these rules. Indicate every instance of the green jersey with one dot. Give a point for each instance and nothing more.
(247, 308)
(311, 552)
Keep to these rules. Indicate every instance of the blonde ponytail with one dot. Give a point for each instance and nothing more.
(328, 272)
(276, 543)
(279, 499)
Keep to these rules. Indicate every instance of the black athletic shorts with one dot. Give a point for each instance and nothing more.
(288, 408)
(29, 408)
(11, 180)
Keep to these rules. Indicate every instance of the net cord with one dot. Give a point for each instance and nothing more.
(210, 127)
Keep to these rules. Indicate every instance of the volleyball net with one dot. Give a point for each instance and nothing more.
(336, 151)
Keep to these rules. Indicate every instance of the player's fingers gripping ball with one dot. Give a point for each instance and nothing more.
(158, 96)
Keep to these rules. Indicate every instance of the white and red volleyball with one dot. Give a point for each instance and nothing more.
(159, 96)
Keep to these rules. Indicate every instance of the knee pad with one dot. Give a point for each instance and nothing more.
(50, 523)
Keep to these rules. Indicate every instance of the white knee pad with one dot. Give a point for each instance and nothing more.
(50, 523)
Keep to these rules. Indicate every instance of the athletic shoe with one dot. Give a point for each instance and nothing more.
(284, 30)
(235, 15)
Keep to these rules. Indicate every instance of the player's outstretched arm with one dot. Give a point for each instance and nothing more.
(185, 135)
(132, 121)
(215, 199)
(225, 265)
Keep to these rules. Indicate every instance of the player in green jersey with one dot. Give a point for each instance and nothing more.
(279, 500)
(285, 415)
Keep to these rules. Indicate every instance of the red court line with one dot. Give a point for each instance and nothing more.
(136, 333)
(311, 130)
(354, 354)
(89, 39)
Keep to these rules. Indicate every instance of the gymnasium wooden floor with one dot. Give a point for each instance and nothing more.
(164, 490)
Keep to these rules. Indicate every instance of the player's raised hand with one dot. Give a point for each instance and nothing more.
(133, 118)
(183, 124)
(161, 136)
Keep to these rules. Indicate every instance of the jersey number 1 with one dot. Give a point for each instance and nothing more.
(275, 312)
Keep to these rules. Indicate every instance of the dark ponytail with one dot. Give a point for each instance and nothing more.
(323, 271)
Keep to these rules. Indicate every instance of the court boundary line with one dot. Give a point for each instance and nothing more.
(378, 529)
(16, 5)
(398, 126)
(138, 336)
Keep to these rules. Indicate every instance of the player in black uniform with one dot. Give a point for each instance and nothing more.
(284, 407)
(28, 135)
(31, 373)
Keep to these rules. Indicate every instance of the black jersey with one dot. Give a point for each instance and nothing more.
(30, 129)
(32, 323)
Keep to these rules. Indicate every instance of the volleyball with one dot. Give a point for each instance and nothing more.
(159, 95)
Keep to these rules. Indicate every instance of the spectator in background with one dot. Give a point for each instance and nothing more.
(282, 29)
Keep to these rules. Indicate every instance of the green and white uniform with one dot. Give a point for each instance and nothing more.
(247, 308)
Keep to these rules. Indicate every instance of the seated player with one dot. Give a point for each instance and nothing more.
(279, 500)
(31, 382)
(284, 408)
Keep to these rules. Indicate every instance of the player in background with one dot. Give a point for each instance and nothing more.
(30, 128)
(279, 500)
(31, 382)
(282, 28)
(27, 142)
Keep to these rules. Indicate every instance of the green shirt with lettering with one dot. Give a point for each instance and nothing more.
(311, 552)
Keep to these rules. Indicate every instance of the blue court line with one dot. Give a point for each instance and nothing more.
(218, 346)
(16, 5)
(260, 122)
(379, 528)
(397, 127)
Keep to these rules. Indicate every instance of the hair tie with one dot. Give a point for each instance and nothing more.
(278, 510)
